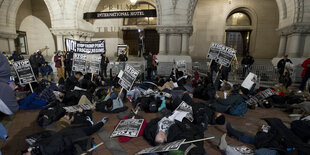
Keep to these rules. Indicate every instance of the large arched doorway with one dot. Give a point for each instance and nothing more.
(32, 24)
(151, 37)
(238, 35)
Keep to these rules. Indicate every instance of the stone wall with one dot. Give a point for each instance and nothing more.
(209, 23)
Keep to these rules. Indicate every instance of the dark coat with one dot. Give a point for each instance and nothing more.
(248, 60)
(203, 115)
(70, 83)
(281, 65)
(122, 58)
(34, 61)
(73, 98)
(281, 139)
(177, 131)
(104, 62)
(149, 60)
(222, 105)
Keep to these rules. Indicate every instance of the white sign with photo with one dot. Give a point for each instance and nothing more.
(183, 110)
(249, 81)
(128, 77)
(24, 71)
(128, 127)
(75, 108)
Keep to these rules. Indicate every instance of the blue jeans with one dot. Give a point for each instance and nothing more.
(3, 133)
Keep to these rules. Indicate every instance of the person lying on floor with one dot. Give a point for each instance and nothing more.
(64, 140)
(111, 104)
(72, 98)
(237, 96)
(276, 136)
(78, 118)
(166, 129)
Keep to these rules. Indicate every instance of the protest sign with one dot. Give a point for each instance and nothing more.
(121, 47)
(24, 71)
(163, 148)
(249, 81)
(94, 64)
(260, 97)
(76, 107)
(79, 63)
(184, 110)
(128, 77)
(85, 46)
(181, 66)
(214, 51)
(86, 63)
(225, 56)
(128, 127)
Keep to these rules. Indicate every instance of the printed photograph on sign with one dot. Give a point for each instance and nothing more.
(24, 71)
(79, 63)
(121, 47)
(226, 56)
(213, 51)
(128, 127)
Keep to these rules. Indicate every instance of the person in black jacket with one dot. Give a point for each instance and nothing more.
(246, 63)
(149, 65)
(63, 142)
(104, 63)
(68, 63)
(34, 61)
(174, 131)
(281, 64)
(73, 81)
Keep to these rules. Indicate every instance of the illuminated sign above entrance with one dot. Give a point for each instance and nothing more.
(120, 14)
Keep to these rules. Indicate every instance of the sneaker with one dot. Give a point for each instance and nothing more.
(299, 91)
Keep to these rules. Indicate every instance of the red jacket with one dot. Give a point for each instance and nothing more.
(57, 60)
(305, 66)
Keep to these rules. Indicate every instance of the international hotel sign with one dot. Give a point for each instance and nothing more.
(120, 14)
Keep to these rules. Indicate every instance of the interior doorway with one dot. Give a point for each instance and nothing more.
(239, 40)
(151, 41)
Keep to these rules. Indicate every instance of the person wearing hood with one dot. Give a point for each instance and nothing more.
(8, 103)
(34, 61)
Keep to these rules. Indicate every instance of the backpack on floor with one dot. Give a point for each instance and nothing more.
(238, 110)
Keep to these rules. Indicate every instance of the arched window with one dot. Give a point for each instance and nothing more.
(238, 19)
(141, 20)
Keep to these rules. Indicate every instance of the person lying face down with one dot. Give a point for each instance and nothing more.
(63, 142)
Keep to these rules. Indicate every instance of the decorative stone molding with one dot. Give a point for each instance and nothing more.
(6, 35)
(175, 29)
(159, 12)
(191, 10)
(174, 4)
(299, 11)
(68, 32)
(296, 28)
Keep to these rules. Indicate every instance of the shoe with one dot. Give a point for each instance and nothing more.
(223, 143)
(299, 91)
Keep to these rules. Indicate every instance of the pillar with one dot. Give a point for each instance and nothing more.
(185, 45)
(162, 43)
(293, 45)
(11, 44)
(59, 43)
(282, 46)
(174, 42)
(307, 46)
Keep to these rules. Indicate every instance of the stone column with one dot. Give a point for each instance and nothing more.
(307, 46)
(282, 46)
(174, 44)
(293, 45)
(162, 43)
(11, 44)
(59, 43)
(185, 45)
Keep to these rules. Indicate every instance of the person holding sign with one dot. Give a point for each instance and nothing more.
(104, 63)
(59, 64)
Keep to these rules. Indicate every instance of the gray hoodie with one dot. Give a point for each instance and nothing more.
(8, 103)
